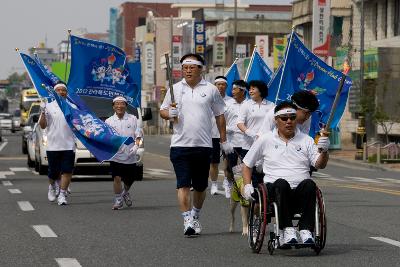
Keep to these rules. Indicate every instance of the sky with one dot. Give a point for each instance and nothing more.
(25, 23)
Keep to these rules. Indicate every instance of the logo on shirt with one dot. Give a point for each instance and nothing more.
(203, 94)
(276, 146)
(298, 148)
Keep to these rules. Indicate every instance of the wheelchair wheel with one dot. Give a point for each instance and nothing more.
(320, 240)
(258, 218)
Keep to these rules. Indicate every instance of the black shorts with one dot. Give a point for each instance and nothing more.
(192, 166)
(60, 162)
(216, 151)
(127, 172)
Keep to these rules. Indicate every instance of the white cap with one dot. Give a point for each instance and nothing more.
(120, 98)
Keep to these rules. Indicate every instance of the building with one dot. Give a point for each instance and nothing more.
(132, 15)
(46, 54)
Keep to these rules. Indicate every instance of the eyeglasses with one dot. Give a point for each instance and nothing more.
(285, 118)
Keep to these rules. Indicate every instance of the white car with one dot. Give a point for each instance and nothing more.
(6, 121)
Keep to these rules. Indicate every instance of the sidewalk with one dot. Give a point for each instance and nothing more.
(346, 156)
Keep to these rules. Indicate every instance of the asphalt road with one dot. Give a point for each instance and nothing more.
(361, 203)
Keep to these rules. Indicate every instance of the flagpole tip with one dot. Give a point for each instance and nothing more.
(69, 31)
(16, 49)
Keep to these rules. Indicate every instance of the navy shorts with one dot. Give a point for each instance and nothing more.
(192, 166)
(127, 172)
(216, 151)
(60, 162)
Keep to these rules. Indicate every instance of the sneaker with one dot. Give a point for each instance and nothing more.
(188, 228)
(62, 200)
(228, 187)
(51, 194)
(69, 190)
(196, 225)
(214, 188)
(118, 204)
(57, 187)
(289, 235)
(306, 237)
(127, 199)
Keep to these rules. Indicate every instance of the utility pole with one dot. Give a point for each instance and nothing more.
(234, 32)
(362, 50)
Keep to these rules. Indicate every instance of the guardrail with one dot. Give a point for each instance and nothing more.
(393, 152)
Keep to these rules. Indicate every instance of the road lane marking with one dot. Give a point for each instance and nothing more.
(68, 262)
(374, 189)
(25, 206)
(387, 240)
(44, 231)
(158, 155)
(363, 179)
(7, 183)
(3, 174)
(14, 191)
(390, 180)
(19, 169)
(158, 170)
(320, 175)
(3, 145)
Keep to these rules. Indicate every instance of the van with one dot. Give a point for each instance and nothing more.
(28, 96)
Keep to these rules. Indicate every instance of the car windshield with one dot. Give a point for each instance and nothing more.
(28, 102)
(17, 113)
(35, 109)
(103, 107)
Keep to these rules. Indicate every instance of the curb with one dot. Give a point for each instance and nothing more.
(351, 162)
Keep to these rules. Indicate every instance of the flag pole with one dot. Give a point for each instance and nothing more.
(234, 62)
(251, 63)
(335, 102)
(66, 64)
(284, 64)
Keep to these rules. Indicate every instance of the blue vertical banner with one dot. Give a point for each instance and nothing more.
(99, 69)
(231, 75)
(258, 70)
(199, 38)
(303, 70)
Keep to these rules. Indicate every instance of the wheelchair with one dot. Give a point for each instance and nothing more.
(263, 217)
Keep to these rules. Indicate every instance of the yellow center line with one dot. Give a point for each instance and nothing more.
(363, 187)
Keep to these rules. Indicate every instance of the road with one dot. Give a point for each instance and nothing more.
(362, 204)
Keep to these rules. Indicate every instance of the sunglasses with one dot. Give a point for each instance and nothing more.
(285, 118)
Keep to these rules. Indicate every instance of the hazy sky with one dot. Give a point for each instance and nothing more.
(25, 23)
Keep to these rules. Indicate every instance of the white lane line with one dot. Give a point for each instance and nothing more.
(3, 145)
(320, 175)
(19, 169)
(362, 179)
(158, 170)
(3, 174)
(44, 231)
(25, 206)
(331, 179)
(387, 240)
(68, 262)
(14, 191)
(397, 181)
(7, 183)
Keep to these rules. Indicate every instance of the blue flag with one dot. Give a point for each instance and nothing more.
(99, 69)
(135, 69)
(231, 76)
(305, 71)
(258, 70)
(36, 74)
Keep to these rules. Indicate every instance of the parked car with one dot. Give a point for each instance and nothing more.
(31, 144)
(40, 156)
(28, 128)
(16, 121)
(5, 121)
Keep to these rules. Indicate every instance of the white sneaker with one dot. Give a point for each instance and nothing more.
(118, 203)
(196, 225)
(51, 194)
(228, 187)
(306, 237)
(62, 200)
(188, 228)
(290, 236)
(214, 188)
(127, 198)
(57, 187)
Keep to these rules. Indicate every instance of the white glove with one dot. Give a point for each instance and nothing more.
(172, 112)
(227, 147)
(42, 106)
(250, 133)
(323, 143)
(248, 191)
(133, 151)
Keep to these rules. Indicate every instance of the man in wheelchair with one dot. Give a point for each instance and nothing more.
(287, 155)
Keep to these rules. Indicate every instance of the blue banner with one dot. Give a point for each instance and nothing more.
(231, 76)
(305, 71)
(258, 70)
(37, 75)
(99, 69)
(199, 38)
(135, 69)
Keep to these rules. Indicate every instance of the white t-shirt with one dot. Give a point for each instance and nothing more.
(269, 124)
(195, 108)
(127, 126)
(234, 135)
(290, 161)
(214, 131)
(252, 115)
(59, 135)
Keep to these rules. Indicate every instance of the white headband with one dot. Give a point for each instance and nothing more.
(220, 80)
(60, 85)
(299, 106)
(120, 98)
(240, 87)
(191, 62)
(285, 111)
